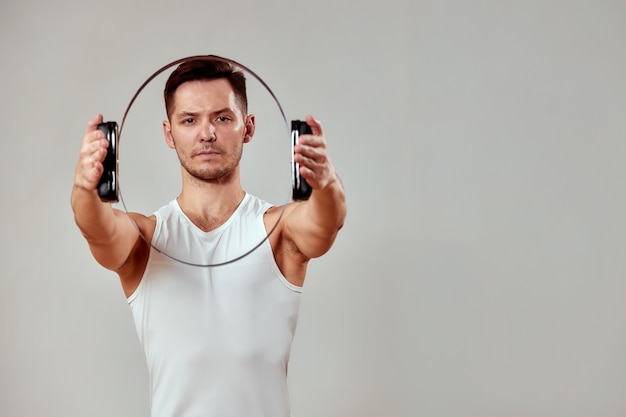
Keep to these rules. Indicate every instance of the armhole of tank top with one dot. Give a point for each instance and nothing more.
(157, 230)
(270, 253)
(267, 246)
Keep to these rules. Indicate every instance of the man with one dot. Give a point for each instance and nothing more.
(216, 339)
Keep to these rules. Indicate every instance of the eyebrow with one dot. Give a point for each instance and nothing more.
(196, 113)
(186, 113)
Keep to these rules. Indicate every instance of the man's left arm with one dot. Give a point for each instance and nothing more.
(313, 224)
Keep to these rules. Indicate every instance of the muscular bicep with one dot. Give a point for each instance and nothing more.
(113, 252)
(310, 233)
(313, 224)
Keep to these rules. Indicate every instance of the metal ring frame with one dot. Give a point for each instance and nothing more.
(132, 101)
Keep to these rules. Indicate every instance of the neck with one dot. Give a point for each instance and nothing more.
(209, 205)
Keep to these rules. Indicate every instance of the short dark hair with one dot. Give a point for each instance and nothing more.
(206, 69)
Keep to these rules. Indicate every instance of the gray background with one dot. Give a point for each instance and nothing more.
(480, 271)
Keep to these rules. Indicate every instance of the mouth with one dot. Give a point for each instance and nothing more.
(206, 152)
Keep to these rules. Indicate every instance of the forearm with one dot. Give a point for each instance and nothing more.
(108, 232)
(314, 225)
(94, 218)
(326, 208)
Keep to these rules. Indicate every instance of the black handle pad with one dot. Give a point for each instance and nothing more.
(107, 187)
(301, 190)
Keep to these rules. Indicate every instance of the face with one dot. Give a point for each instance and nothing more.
(208, 129)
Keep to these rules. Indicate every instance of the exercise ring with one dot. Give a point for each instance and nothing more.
(119, 136)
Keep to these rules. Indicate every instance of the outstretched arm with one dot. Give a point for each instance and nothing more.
(108, 231)
(313, 224)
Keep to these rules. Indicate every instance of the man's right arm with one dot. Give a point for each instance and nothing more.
(110, 234)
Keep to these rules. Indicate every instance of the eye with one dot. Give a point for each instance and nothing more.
(188, 121)
(223, 118)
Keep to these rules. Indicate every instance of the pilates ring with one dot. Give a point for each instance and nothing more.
(109, 188)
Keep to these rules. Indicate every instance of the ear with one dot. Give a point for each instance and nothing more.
(167, 132)
(249, 128)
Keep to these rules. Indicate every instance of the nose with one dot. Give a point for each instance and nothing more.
(207, 132)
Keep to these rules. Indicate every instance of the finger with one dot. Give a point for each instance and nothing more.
(94, 172)
(311, 146)
(89, 159)
(93, 143)
(310, 154)
(93, 123)
(95, 157)
(94, 161)
(314, 174)
(316, 126)
(89, 171)
(99, 145)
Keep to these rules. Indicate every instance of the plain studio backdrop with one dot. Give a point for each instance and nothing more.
(481, 270)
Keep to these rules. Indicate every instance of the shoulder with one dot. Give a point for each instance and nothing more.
(137, 226)
(254, 205)
(145, 224)
(279, 214)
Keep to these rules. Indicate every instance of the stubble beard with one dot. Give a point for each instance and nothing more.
(213, 172)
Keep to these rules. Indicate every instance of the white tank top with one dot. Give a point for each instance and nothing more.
(216, 340)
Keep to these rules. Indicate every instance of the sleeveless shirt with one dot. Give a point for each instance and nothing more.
(216, 339)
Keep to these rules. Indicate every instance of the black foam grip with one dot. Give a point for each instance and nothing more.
(301, 190)
(107, 186)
